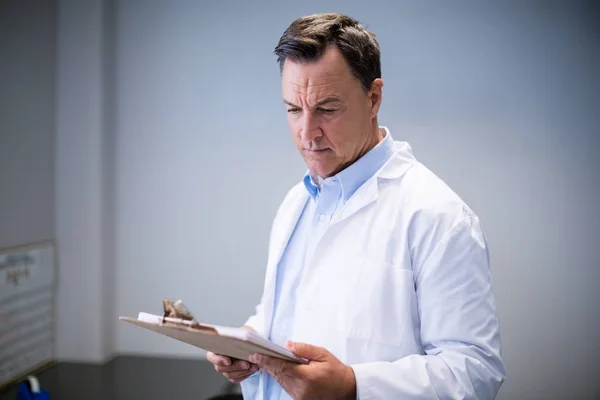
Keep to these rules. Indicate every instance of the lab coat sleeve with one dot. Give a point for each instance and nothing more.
(459, 328)
(250, 385)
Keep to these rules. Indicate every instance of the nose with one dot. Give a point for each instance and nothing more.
(310, 129)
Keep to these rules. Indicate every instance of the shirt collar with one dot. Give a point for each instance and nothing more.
(353, 176)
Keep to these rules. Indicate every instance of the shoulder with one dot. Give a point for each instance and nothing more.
(418, 192)
(431, 212)
(415, 190)
(427, 195)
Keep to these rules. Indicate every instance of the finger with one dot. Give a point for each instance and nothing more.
(307, 351)
(238, 380)
(238, 365)
(218, 359)
(239, 374)
(273, 365)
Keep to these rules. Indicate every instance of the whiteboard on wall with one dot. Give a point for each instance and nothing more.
(27, 298)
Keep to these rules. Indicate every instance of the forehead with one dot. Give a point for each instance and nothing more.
(330, 75)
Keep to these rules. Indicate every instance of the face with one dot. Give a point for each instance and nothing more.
(332, 119)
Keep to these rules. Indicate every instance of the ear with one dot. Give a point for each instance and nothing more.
(375, 96)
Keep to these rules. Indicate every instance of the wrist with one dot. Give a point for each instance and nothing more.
(351, 392)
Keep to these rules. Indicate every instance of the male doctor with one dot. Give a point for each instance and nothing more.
(377, 273)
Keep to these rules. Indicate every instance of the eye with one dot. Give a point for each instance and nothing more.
(327, 111)
(293, 110)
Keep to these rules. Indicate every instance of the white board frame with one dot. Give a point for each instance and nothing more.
(17, 276)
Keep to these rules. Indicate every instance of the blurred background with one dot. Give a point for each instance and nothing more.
(148, 139)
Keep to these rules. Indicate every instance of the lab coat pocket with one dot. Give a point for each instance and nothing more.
(377, 305)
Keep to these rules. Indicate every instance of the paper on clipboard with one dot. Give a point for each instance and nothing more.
(233, 342)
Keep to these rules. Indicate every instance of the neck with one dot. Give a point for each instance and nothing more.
(375, 136)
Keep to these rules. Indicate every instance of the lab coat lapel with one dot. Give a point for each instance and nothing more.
(289, 219)
(281, 237)
(365, 195)
(394, 168)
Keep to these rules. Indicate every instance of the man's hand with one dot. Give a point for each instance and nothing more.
(324, 377)
(231, 368)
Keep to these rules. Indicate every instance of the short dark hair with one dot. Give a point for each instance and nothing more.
(307, 38)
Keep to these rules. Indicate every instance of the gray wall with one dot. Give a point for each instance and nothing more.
(501, 100)
(84, 180)
(27, 70)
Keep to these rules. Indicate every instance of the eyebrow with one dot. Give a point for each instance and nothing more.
(319, 104)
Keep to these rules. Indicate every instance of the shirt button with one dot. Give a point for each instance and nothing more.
(322, 217)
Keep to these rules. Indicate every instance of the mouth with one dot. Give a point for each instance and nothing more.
(316, 151)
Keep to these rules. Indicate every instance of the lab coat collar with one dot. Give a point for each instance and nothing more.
(399, 163)
(394, 168)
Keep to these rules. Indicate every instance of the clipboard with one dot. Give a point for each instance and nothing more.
(233, 342)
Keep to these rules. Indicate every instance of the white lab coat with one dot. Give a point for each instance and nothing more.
(399, 288)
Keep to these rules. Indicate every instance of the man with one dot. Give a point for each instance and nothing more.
(378, 273)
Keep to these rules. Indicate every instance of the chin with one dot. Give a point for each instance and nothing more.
(321, 170)
(324, 173)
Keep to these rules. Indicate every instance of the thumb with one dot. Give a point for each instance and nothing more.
(307, 351)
